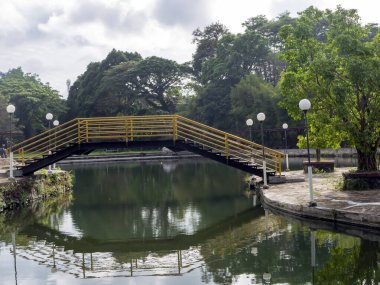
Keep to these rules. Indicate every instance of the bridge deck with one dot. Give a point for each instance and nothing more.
(81, 136)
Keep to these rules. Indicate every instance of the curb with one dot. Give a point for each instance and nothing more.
(335, 216)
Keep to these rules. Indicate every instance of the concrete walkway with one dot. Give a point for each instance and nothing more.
(361, 208)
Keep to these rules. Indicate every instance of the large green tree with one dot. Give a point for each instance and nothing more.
(333, 60)
(86, 94)
(126, 84)
(223, 60)
(206, 41)
(32, 98)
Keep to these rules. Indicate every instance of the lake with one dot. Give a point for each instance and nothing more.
(175, 222)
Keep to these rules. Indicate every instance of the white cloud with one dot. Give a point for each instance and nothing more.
(58, 39)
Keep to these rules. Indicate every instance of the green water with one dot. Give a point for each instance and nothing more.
(175, 222)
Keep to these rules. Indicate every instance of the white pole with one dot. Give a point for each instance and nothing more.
(49, 164)
(11, 164)
(310, 177)
(287, 162)
(265, 174)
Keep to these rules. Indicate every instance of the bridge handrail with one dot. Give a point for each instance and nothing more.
(233, 145)
(127, 128)
(231, 135)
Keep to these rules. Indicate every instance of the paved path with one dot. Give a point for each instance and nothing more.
(349, 207)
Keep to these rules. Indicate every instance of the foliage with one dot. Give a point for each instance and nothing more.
(32, 99)
(357, 265)
(206, 42)
(126, 84)
(251, 96)
(85, 94)
(332, 60)
(230, 68)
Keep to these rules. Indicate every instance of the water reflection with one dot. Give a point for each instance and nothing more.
(143, 201)
(214, 236)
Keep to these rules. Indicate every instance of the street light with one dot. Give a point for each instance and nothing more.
(285, 127)
(10, 110)
(249, 123)
(49, 117)
(305, 105)
(55, 124)
(261, 118)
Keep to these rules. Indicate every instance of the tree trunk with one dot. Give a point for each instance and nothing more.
(367, 160)
(318, 154)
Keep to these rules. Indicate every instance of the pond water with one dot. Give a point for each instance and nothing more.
(175, 222)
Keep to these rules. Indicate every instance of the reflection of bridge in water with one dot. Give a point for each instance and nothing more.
(88, 258)
(82, 136)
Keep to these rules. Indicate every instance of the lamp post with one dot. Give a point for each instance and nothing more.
(10, 110)
(267, 277)
(49, 117)
(55, 124)
(305, 105)
(261, 118)
(285, 127)
(249, 123)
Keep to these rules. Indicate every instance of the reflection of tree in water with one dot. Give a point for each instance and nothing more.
(45, 212)
(282, 249)
(141, 200)
(357, 265)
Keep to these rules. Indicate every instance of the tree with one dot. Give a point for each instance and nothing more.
(156, 82)
(126, 84)
(32, 99)
(332, 60)
(206, 42)
(85, 92)
(251, 96)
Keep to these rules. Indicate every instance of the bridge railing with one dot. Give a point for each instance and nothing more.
(84, 130)
(226, 144)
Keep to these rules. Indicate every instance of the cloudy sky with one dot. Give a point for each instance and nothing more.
(57, 39)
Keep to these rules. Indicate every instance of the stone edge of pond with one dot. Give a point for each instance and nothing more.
(41, 186)
(334, 215)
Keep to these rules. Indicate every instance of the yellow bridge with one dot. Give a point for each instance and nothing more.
(83, 135)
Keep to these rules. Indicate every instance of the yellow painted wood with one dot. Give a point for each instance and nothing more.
(135, 127)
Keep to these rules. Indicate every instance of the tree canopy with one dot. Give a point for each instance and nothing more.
(32, 98)
(126, 84)
(334, 61)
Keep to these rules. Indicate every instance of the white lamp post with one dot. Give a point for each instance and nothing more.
(267, 277)
(10, 110)
(261, 118)
(49, 117)
(285, 127)
(249, 123)
(305, 105)
(55, 124)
